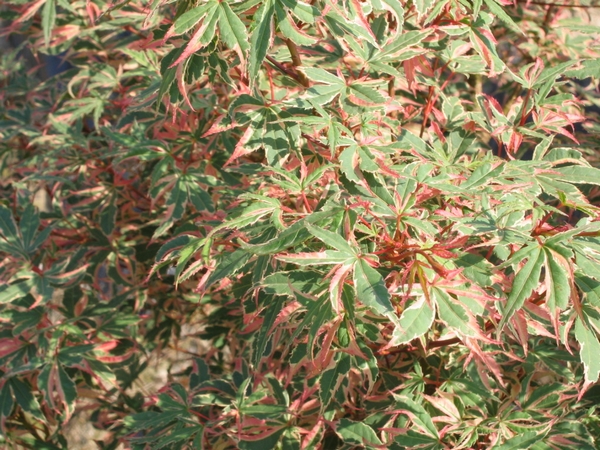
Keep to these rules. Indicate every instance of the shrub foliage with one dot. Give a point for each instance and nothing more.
(330, 224)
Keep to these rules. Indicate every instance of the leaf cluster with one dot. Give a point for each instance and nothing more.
(293, 225)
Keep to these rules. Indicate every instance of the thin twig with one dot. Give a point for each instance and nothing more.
(297, 62)
(284, 69)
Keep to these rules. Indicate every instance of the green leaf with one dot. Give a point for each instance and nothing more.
(356, 433)
(101, 370)
(177, 436)
(332, 239)
(371, 289)
(453, 313)
(523, 441)
(586, 263)
(476, 8)
(186, 253)
(291, 439)
(204, 34)
(68, 390)
(291, 282)
(12, 292)
(288, 27)
(412, 439)
(171, 246)
(558, 289)
(270, 441)
(476, 268)
(201, 199)
(378, 187)
(25, 398)
(48, 19)
(590, 287)
(577, 174)
(261, 38)
(551, 73)
(323, 94)
(486, 48)
(303, 11)
(8, 227)
(590, 68)
(422, 6)
(228, 266)
(420, 417)
(291, 236)
(322, 76)
(332, 379)
(29, 223)
(326, 257)
(397, 47)
(39, 239)
(6, 402)
(523, 285)
(274, 307)
(177, 200)
(232, 29)
(589, 349)
(362, 95)
(190, 18)
(482, 175)
(500, 13)
(414, 322)
(107, 217)
(348, 163)
(318, 313)
(395, 7)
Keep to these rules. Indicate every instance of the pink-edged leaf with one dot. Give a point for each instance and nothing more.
(558, 275)
(371, 290)
(414, 322)
(10, 345)
(456, 316)
(326, 257)
(417, 414)
(203, 35)
(240, 149)
(326, 353)
(217, 127)
(6, 403)
(358, 433)
(332, 379)
(331, 239)
(30, 11)
(362, 21)
(337, 285)
(589, 350)
(189, 20)
(233, 32)
(520, 322)
(444, 401)
(12, 292)
(523, 285)
(394, 7)
(59, 390)
(65, 278)
(485, 360)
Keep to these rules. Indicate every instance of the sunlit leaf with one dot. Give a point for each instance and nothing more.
(414, 322)
(332, 379)
(357, 433)
(526, 280)
(371, 289)
(589, 349)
